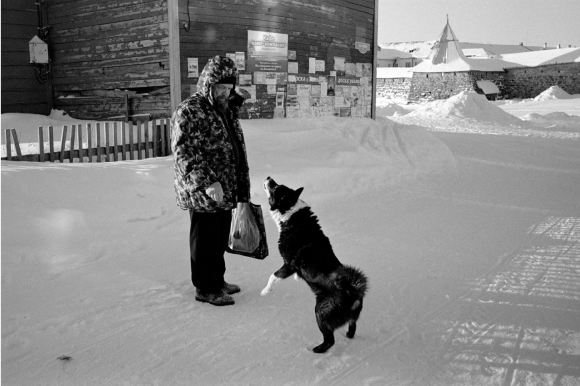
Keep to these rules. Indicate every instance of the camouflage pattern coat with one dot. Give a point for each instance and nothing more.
(202, 149)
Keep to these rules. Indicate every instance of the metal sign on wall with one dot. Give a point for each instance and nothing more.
(267, 51)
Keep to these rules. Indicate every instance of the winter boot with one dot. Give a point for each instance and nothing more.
(215, 298)
(230, 289)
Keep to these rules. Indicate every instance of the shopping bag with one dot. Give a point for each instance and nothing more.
(247, 232)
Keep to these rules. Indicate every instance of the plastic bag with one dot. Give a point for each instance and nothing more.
(244, 232)
(253, 222)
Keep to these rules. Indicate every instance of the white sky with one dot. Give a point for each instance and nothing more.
(533, 22)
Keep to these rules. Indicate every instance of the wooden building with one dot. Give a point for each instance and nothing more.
(140, 58)
(21, 92)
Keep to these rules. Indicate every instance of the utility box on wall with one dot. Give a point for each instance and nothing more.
(38, 51)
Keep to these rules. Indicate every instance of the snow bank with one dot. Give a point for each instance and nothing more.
(555, 92)
(388, 107)
(466, 105)
(555, 121)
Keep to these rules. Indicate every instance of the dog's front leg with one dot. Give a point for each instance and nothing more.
(280, 274)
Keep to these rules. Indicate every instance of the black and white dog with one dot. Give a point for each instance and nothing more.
(307, 254)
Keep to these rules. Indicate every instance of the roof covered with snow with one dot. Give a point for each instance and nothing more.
(389, 53)
(422, 49)
(394, 72)
(538, 58)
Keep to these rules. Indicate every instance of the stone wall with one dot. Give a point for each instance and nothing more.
(521, 82)
(437, 85)
(529, 82)
(394, 88)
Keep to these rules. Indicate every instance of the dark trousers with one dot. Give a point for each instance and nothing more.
(208, 238)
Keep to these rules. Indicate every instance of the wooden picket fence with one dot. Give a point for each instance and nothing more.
(142, 140)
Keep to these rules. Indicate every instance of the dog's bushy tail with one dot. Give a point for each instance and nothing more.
(357, 280)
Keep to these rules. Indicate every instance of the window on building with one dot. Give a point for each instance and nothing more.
(407, 64)
(396, 65)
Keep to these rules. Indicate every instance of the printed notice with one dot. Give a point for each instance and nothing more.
(240, 61)
(192, 67)
(311, 65)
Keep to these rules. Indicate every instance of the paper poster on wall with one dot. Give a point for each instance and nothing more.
(338, 64)
(320, 65)
(267, 51)
(350, 69)
(315, 90)
(241, 61)
(292, 89)
(291, 55)
(270, 78)
(367, 70)
(271, 89)
(331, 85)
(280, 99)
(359, 70)
(311, 65)
(292, 101)
(192, 67)
(259, 77)
(245, 79)
(323, 89)
(293, 67)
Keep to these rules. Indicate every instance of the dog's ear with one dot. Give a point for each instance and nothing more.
(298, 192)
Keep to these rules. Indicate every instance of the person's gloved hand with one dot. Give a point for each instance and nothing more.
(237, 100)
(215, 192)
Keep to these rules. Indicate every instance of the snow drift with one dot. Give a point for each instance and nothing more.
(555, 92)
(388, 107)
(466, 105)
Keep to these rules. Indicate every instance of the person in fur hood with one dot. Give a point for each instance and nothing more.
(211, 174)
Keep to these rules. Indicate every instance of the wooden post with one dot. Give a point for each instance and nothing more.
(131, 149)
(124, 140)
(107, 137)
(72, 143)
(162, 135)
(155, 140)
(40, 144)
(63, 144)
(80, 135)
(90, 142)
(174, 53)
(374, 69)
(16, 144)
(98, 142)
(8, 145)
(168, 135)
(51, 142)
(147, 146)
(139, 156)
(116, 142)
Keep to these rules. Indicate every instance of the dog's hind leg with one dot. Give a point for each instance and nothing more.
(356, 309)
(328, 342)
(323, 310)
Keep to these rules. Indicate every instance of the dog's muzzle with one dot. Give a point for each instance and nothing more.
(269, 185)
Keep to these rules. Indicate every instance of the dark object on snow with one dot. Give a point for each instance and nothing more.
(64, 358)
(307, 253)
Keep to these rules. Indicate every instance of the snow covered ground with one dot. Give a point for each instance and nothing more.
(468, 229)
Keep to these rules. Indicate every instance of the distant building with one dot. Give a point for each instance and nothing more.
(450, 68)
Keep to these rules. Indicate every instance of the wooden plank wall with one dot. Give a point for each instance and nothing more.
(21, 92)
(98, 46)
(316, 28)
